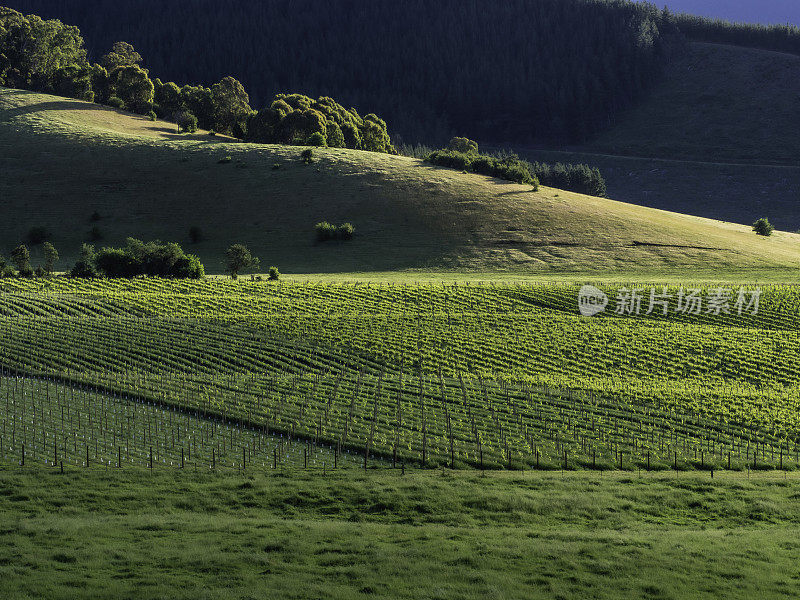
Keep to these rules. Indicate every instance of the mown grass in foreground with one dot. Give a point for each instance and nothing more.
(133, 534)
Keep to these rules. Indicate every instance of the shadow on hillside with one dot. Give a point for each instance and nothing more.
(513, 192)
(10, 113)
(169, 131)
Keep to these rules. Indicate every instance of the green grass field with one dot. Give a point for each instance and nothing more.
(169, 534)
(64, 159)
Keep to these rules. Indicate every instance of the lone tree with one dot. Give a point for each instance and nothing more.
(22, 259)
(50, 257)
(239, 258)
(763, 227)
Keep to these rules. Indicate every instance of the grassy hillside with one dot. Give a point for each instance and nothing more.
(64, 159)
(716, 103)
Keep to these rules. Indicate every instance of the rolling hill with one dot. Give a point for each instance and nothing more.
(64, 159)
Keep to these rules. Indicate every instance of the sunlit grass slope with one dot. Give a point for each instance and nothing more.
(63, 159)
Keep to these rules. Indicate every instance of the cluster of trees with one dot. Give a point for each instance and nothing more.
(49, 56)
(43, 55)
(573, 177)
(327, 232)
(462, 153)
(501, 71)
(782, 38)
(224, 107)
(20, 264)
(300, 120)
(509, 167)
(138, 258)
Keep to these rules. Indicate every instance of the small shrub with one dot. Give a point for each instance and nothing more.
(95, 235)
(212, 133)
(763, 227)
(316, 139)
(116, 102)
(224, 160)
(37, 236)
(325, 231)
(95, 217)
(195, 234)
(450, 158)
(462, 144)
(276, 166)
(307, 156)
(345, 231)
(274, 274)
(152, 115)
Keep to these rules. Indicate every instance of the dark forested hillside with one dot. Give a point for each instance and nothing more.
(782, 38)
(512, 70)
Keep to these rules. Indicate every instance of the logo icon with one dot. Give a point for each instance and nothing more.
(591, 301)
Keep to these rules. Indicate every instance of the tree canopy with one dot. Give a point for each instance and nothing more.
(296, 119)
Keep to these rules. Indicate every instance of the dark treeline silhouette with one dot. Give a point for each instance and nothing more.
(783, 38)
(511, 70)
